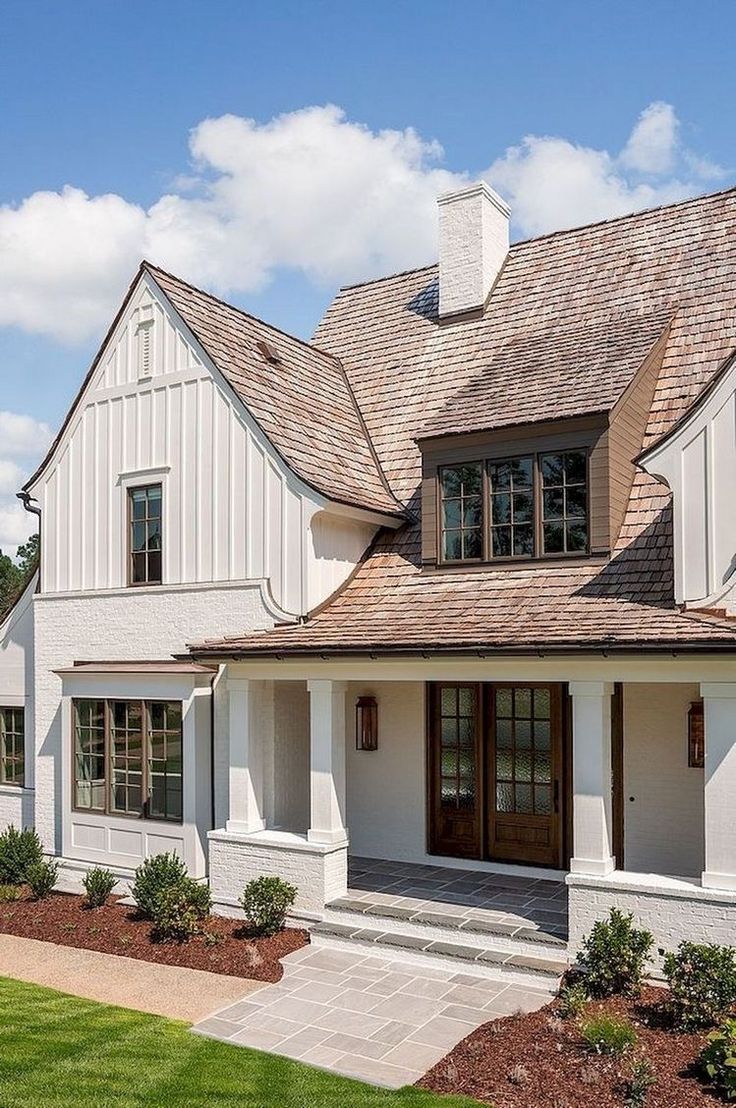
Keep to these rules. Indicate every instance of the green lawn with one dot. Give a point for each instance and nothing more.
(57, 1050)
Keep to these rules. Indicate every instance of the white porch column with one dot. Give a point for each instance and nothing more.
(327, 768)
(245, 760)
(719, 702)
(592, 778)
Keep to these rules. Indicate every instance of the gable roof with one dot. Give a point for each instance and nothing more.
(304, 404)
(561, 294)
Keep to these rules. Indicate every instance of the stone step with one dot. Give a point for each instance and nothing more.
(447, 926)
(483, 960)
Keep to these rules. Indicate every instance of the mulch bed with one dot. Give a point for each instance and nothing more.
(559, 1071)
(118, 929)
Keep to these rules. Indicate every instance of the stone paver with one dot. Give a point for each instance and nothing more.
(381, 1021)
(173, 991)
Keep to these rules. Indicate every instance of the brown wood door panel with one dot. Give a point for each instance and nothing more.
(455, 779)
(524, 768)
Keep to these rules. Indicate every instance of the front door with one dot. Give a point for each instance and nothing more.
(496, 772)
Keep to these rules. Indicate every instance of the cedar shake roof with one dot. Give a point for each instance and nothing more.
(303, 404)
(593, 300)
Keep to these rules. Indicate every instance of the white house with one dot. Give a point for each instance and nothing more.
(453, 586)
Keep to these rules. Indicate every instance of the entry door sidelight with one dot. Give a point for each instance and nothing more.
(524, 759)
(455, 780)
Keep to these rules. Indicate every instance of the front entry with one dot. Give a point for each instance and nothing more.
(496, 772)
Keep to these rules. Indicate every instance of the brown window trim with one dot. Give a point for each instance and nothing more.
(538, 556)
(4, 757)
(109, 810)
(132, 584)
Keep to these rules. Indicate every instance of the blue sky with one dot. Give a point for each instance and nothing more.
(272, 205)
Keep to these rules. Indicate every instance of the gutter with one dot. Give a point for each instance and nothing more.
(28, 501)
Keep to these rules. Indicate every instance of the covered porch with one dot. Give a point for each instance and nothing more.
(608, 806)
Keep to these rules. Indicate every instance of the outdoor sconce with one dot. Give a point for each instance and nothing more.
(696, 736)
(366, 723)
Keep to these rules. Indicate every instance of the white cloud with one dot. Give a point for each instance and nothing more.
(314, 191)
(23, 441)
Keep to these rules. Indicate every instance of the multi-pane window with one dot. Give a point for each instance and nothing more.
(514, 507)
(511, 487)
(523, 751)
(458, 716)
(564, 502)
(462, 512)
(145, 538)
(12, 746)
(128, 758)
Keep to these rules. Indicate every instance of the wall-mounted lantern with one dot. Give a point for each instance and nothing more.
(696, 736)
(366, 723)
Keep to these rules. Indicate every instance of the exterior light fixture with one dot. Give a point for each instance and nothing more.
(696, 736)
(366, 723)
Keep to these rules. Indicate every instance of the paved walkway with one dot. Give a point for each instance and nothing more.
(380, 1021)
(179, 993)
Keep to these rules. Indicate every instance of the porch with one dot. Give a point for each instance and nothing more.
(619, 812)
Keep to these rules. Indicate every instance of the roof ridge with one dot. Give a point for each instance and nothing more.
(387, 277)
(152, 268)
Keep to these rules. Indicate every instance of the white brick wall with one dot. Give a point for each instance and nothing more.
(696, 914)
(16, 807)
(130, 624)
(319, 873)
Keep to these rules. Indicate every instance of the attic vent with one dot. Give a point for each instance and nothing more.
(270, 353)
(144, 334)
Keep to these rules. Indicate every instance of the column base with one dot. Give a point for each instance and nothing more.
(241, 827)
(328, 838)
(725, 881)
(596, 867)
(318, 871)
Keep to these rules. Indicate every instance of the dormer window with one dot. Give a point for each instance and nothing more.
(531, 506)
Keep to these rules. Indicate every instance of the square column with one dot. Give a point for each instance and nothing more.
(327, 762)
(592, 778)
(245, 765)
(719, 701)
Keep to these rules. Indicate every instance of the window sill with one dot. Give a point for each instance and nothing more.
(8, 789)
(547, 561)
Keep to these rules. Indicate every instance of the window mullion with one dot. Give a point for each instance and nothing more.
(107, 718)
(537, 505)
(145, 742)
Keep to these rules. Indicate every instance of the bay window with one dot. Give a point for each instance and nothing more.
(531, 506)
(128, 758)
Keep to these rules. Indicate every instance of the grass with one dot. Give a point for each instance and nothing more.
(62, 1052)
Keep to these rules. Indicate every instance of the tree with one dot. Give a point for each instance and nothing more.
(11, 579)
(27, 556)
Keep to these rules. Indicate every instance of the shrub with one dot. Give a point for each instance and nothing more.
(702, 981)
(98, 884)
(10, 892)
(153, 876)
(571, 1000)
(266, 902)
(179, 909)
(42, 877)
(19, 850)
(606, 1035)
(637, 1086)
(614, 955)
(717, 1060)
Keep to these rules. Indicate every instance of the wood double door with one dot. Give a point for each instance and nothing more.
(497, 759)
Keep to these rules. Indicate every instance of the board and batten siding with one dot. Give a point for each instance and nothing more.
(156, 413)
(698, 463)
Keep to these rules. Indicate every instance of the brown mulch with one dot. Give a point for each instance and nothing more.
(558, 1069)
(118, 929)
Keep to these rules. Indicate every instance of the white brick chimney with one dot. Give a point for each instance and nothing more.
(474, 240)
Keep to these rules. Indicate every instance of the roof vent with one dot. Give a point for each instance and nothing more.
(474, 242)
(270, 353)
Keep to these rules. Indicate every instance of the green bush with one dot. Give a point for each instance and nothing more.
(614, 955)
(179, 909)
(266, 902)
(571, 1000)
(19, 850)
(152, 877)
(717, 1060)
(98, 884)
(637, 1086)
(42, 878)
(10, 892)
(702, 981)
(606, 1035)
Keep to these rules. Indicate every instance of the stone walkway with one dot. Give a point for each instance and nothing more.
(173, 991)
(376, 1020)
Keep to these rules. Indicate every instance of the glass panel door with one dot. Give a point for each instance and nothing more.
(454, 746)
